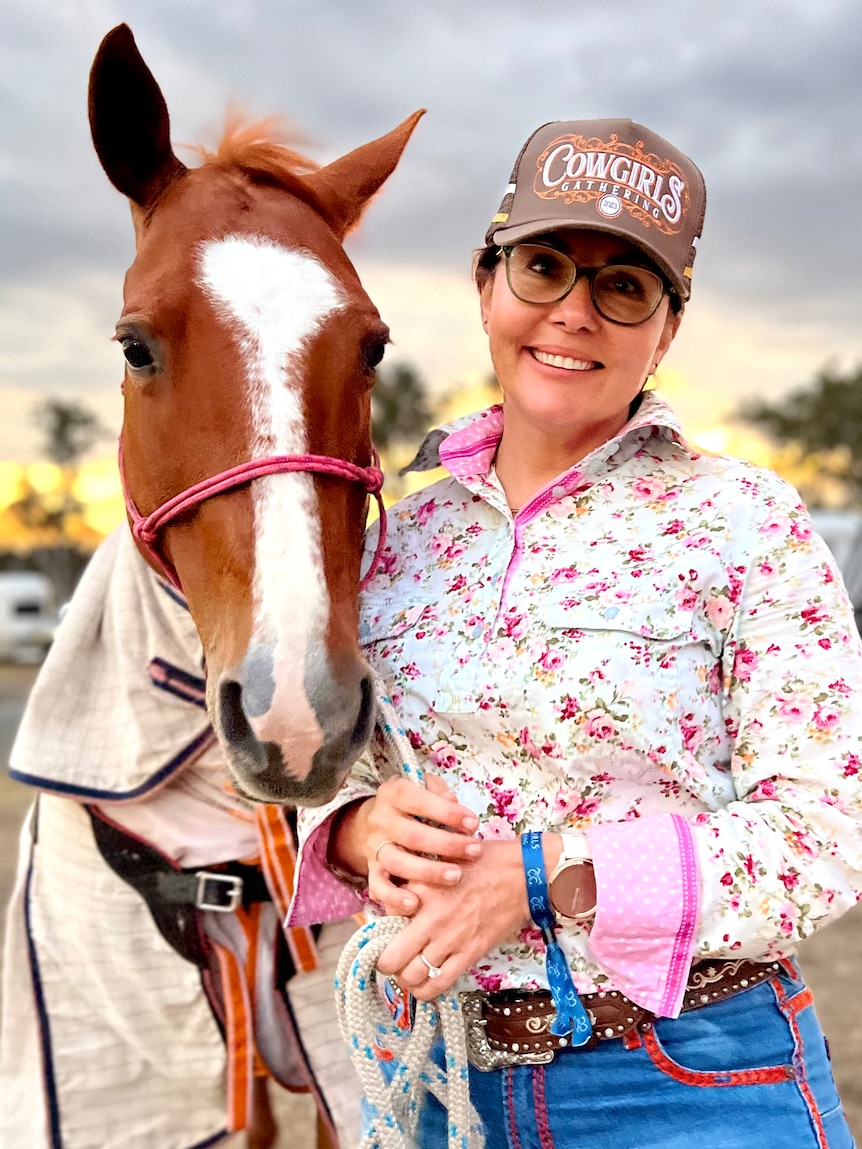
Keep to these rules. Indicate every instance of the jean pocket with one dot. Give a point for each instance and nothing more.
(746, 1040)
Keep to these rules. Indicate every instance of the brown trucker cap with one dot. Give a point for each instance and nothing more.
(607, 175)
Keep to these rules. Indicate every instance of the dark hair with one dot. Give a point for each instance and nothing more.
(485, 260)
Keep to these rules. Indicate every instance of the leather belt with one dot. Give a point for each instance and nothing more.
(513, 1027)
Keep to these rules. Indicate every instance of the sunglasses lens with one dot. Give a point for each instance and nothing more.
(539, 274)
(627, 294)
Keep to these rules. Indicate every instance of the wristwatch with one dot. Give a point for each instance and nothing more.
(572, 885)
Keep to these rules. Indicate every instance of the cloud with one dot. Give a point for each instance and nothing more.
(765, 96)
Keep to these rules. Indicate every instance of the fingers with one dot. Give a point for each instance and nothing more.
(428, 802)
(396, 900)
(426, 975)
(455, 926)
(395, 862)
(434, 784)
(407, 819)
(426, 978)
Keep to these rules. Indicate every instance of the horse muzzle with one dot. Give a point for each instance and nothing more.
(292, 742)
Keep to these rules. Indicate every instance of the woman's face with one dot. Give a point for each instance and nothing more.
(563, 368)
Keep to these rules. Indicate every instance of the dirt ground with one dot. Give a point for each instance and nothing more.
(832, 960)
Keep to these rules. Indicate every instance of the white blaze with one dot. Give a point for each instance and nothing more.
(276, 300)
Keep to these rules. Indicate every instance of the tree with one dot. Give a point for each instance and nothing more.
(401, 412)
(821, 421)
(54, 518)
(70, 430)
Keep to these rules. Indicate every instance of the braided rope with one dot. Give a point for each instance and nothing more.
(370, 1031)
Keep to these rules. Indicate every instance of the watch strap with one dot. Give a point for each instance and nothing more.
(575, 848)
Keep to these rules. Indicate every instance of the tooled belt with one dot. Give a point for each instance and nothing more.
(513, 1027)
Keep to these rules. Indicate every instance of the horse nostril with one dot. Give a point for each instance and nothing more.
(365, 717)
(234, 723)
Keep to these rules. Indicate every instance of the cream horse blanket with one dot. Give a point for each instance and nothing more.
(107, 1038)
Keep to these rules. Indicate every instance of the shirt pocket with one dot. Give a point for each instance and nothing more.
(653, 619)
(633, 666)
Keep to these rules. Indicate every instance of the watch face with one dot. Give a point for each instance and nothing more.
(573, 890)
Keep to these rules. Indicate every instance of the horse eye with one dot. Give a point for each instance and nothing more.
(137, 354)
(373, 350)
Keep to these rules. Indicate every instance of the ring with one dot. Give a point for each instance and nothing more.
(433, 970)
(385, 842)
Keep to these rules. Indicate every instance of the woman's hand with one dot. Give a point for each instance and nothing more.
(406, 833)
(456, 925)
(416, 835)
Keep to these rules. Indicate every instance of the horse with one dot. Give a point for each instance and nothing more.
(250, 351)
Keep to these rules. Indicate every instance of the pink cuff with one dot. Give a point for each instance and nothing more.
(648, 885)
(318, 895)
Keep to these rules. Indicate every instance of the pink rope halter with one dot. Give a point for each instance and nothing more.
(146, 529)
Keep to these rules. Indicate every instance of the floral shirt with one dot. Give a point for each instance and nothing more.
(657, 651)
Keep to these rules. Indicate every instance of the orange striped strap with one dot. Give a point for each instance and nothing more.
(278, 859)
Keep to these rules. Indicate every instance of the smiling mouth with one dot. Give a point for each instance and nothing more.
(564, 361)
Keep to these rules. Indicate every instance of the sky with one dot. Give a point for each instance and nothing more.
(764, 95)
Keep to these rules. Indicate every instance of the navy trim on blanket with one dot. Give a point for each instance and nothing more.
(171, 592)
(195, 747)
(189, 687)
(39, 999)
(214, 1140)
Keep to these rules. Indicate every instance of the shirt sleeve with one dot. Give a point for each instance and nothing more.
(648, 884)
(786, 857)
(756, 877)
(319, 895)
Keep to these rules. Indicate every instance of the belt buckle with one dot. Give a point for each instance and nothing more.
(480, 1053)
(221, 893)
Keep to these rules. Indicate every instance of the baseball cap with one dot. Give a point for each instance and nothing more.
(607, 175)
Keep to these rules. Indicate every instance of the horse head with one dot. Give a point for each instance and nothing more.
(250, 351)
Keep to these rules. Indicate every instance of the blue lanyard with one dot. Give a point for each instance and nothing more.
(571, 1016)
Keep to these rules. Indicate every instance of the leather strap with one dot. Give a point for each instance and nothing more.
(514, 1026)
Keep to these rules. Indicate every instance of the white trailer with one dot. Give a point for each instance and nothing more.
(28, 616)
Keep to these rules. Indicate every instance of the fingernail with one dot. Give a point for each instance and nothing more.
(473, 850)
(470, 823)
(407, 903)
(451, 876)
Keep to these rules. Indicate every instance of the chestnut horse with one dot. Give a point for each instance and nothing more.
(250, 350)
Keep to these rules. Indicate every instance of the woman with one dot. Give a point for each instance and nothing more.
(630, 672)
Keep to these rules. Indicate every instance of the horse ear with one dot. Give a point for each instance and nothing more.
(129, 120)
(345, 186)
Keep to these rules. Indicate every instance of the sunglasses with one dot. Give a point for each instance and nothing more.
(621, 293)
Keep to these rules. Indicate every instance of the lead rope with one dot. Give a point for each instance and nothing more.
(370, 1030)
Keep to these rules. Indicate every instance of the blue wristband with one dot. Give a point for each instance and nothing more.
(571, 1016)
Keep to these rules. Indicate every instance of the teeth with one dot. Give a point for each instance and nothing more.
(563, 361)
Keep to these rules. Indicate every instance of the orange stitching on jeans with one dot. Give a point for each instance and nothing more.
(769, 1075)
(791, 1008)
(795, 1005)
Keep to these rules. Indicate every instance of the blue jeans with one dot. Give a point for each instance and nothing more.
(751, 1072)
